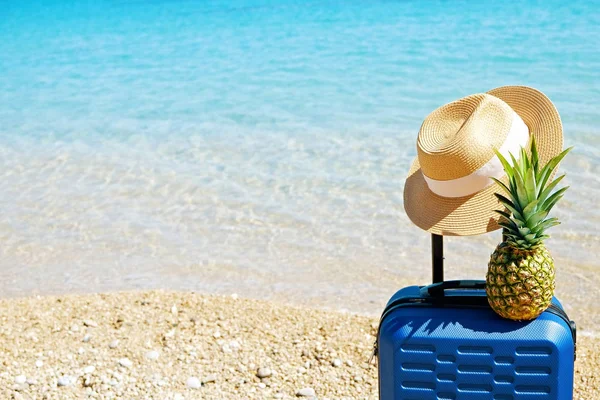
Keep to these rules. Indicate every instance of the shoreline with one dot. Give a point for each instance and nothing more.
(186, 345)
(576, 292)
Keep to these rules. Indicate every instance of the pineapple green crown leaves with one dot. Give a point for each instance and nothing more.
(530, 197)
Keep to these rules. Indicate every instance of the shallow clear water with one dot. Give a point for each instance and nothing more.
(261, 147)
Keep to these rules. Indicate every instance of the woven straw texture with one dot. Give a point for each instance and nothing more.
(450, 144)
(473, 214)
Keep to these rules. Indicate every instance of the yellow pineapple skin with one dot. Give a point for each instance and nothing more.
(520, 283)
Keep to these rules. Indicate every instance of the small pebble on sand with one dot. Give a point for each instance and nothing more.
(125, 362)
(193, 383)
(264, 373)
(89, 369)
(65, 380)
(306, 392)
(90, 323)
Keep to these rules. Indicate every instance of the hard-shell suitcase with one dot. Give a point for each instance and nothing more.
(443, 341)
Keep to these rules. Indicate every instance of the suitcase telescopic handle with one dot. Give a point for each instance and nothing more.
(437, 256)
(437, 289)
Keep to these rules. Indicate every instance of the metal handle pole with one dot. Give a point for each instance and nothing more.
(437, 257)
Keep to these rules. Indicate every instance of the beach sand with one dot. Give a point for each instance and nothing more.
(178, 345)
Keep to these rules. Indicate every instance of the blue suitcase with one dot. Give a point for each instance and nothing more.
(444, 342)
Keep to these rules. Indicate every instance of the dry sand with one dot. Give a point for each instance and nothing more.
(166, 345)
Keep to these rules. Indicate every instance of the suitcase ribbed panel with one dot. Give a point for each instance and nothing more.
(476, 369)
(449, 354)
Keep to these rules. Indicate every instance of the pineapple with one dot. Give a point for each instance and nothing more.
(520, 278)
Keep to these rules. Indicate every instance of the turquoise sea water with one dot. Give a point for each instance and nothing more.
(261, 147)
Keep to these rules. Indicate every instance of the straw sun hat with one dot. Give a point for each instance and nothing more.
(448, 190)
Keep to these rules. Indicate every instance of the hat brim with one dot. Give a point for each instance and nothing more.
(474, 214)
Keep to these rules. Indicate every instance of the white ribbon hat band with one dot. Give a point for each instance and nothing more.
(517, 137)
